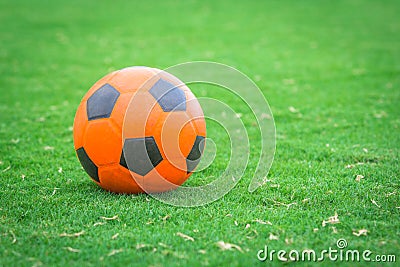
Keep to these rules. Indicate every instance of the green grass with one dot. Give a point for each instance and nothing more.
(336, 62)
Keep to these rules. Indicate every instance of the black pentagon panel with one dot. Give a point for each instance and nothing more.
(101, 103)
(194, 156)
(122, 160)
(87, 164)
(140, 155)
(170, 97)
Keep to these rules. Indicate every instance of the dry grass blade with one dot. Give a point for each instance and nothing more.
(140, 246)
(265, 116)
(163, 245)
(293, 109)
(228, 246)
(74, 250)
(359, 177)
(289, 241)
(283, 204)
(360, 232)
(166, 217)
(72, 235)
(6, 169)
(374, 202)
(115, 236)
(114, 251)
(253, 234)
(262, 222)
(186, 237)
(109, 218)
(390, 194)
(273, 237)
(178, 255)
(54, 191)
(14, 237)
(331, 220)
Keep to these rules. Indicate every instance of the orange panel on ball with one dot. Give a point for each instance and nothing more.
(103, 142)
(200, 125)
(80, 125)
(141, 116)
(163, 178)
(117, 179)
(118, 113)
(131, 79)
(176, 136)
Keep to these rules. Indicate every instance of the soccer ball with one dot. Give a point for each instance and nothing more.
(139, 129)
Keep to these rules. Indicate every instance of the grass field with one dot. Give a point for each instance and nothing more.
(329, 69)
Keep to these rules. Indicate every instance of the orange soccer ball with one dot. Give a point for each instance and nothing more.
(139, 129)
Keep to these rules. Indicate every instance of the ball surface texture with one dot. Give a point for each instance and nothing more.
(139, 129)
